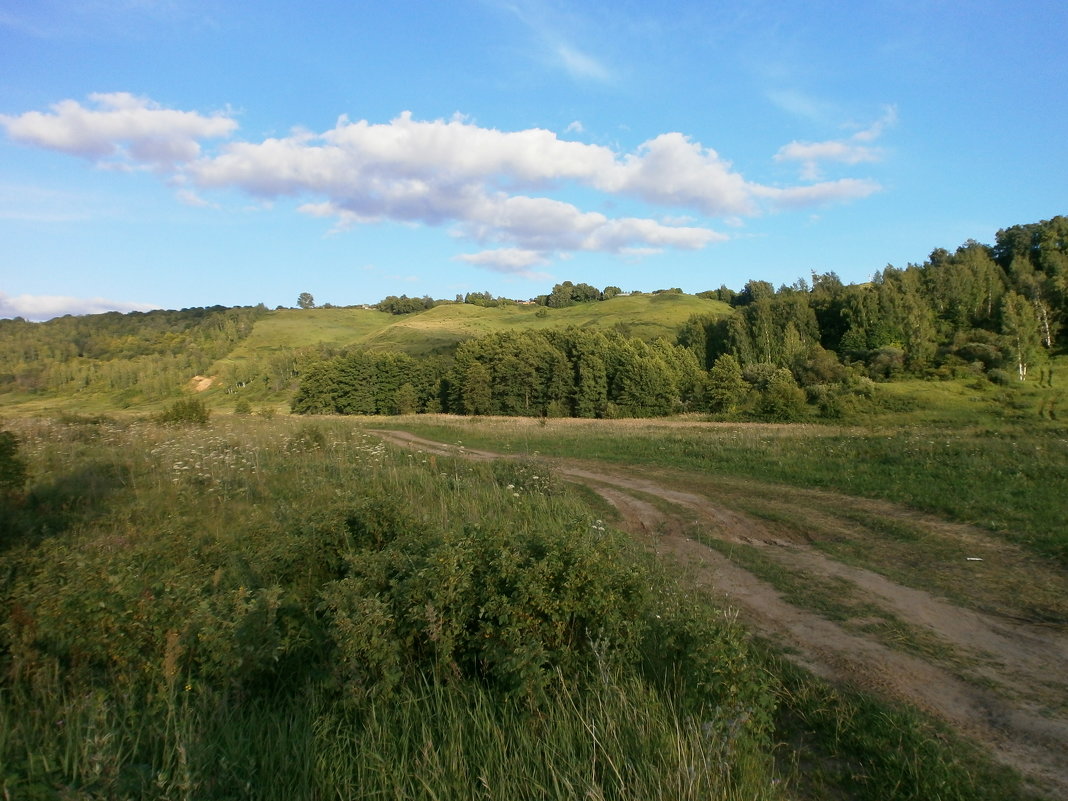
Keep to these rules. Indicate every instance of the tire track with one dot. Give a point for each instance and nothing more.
(1018, 730)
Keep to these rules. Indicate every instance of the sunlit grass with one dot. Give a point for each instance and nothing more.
(1009, 479)
(177, 596)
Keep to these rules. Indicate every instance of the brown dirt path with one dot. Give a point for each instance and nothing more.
(1017, 709)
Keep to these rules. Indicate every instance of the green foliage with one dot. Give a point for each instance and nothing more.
(1020, 327)
(242, 406)
(305, 301)
(136, 356)
(369, 383)
(568, 294)
(248, 616)
(782, 400)
(404, 304)
(188, 411)
(13, 475)
(726, 387)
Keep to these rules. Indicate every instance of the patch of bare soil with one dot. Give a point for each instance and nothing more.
(1012, 702)
(200, 383)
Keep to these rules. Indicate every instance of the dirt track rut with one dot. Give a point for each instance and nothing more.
(1014, 700)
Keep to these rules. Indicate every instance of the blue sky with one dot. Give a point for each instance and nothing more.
(175, 153)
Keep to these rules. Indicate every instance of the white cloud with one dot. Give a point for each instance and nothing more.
(575, 127)
(852, 150)
(799, 197)
(874, 131)
(452, 171)
(671, 170)
(191, 198)
(554, 33)
(803, 105)
(121, 130)
(514, 261)
(45, 307)
(493, 187)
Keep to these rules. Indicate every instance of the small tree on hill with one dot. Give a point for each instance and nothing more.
(306, 301)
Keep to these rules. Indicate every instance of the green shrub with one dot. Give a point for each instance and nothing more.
(782, 400)
(242, 406)
(189, 411)
(12, 466)
(308, 437)
(1000, 377)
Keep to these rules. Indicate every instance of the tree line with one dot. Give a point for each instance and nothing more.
(140, 355)
(994, 311)
(991, 310)
(569, 373)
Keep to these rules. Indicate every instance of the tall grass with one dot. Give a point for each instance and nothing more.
(282, 609)
(1008, 477)
(289, 609)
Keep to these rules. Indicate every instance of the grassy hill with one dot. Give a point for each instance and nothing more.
(436, 329)
(644, 316)
(278, 334)
(99, 363)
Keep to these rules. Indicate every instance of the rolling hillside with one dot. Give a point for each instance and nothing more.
(644, 315)
(100, 362)
(271, 347)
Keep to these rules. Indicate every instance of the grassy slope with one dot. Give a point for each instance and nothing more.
(647, 316)
(284, 329)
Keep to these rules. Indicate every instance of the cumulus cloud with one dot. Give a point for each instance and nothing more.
(493, 187)
(852, 150)
(826, 192)
(120, 130)
(671, 170)
(513, 261)
(45, 307)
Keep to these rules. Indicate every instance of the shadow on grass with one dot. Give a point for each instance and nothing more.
(53, 508)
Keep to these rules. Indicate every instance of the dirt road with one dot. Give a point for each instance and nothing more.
(999, 680)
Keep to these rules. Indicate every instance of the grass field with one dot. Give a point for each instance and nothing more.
(289, 609)
(1009, 478)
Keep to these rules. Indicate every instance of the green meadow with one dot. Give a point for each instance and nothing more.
(288, 608)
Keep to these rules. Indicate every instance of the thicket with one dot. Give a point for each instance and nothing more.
(289, 611)
(571, 373)
(188, 411)
(136, 356)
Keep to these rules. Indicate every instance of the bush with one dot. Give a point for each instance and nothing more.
(242, 406)
(189, 411)
(12, 466)
(309, 437)
(1000, 377)
(783, 400)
